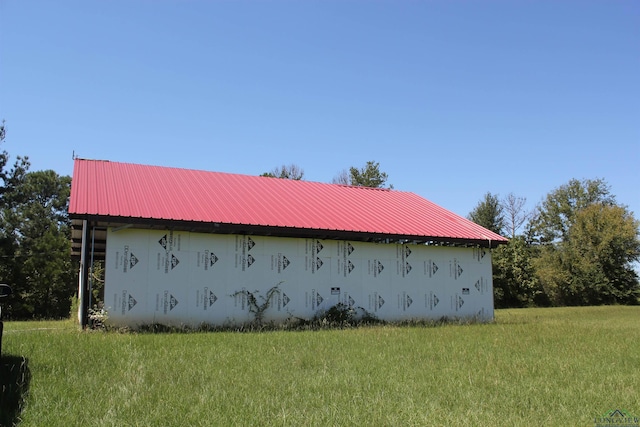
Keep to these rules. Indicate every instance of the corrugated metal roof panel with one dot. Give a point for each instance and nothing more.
(124, 190)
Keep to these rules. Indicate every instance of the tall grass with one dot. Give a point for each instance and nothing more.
(562, 366)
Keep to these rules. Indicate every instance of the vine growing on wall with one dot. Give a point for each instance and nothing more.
(258, 304)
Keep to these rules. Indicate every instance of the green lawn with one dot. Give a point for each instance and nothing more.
(556, 367)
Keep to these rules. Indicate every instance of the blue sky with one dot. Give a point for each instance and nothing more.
(453, 98)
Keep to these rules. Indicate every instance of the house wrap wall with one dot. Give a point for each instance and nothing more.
(182, 278)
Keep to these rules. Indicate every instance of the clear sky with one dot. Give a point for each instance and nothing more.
(453, 98)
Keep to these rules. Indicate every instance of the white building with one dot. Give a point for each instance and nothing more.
(189, 247)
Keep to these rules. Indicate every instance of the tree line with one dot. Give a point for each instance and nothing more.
(35, 248)
(576, 248)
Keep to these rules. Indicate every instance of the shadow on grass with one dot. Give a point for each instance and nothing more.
(15, 377)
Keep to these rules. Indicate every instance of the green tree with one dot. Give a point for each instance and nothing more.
(10, 180)
(367, 176)
(42, 276)
(554, 217)
(594, 263)
(587, 246)
(34, 239)
(514, 277)
(489, 213)
(291, 171)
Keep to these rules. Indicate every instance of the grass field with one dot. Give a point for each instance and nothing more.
(557, 367)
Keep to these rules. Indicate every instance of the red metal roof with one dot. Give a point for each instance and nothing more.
(104, 189)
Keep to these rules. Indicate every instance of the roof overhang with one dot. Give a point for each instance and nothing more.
(99, 224)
